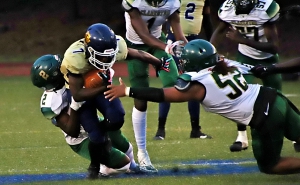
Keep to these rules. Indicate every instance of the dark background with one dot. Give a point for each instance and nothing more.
(30, 28)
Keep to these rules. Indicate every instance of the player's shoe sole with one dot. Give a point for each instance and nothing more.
(238, 146)
(199, 135)
(160, 134)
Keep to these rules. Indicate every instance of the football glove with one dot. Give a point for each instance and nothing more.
(165, 64)
(105, 77)
(174, 48)
(261, 71)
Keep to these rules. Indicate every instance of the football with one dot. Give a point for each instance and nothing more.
(92, 79)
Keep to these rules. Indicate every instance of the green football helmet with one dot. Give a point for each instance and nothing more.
(156, 3)
(45, 73)
(197, 55)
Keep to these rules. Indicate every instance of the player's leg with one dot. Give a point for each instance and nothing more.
(112, 111)
(168, 79)
(120, 142)
(267, 141)
(117, 162)
(241, 142)
(194, 110)
(139, 77)
(98, 137)
(82, 149)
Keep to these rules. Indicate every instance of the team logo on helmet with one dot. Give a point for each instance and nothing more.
(87, 37)
(44, 75)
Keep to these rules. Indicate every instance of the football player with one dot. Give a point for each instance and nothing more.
(58, 106)
(195, 15)
(222, 89)
(99, 49)
(251, 24)
(144, 20)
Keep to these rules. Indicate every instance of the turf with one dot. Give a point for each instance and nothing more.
(31, 147)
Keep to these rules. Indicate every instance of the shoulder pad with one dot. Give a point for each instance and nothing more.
(183, 82)
(273, 9)
(127, 4)
(51, 104)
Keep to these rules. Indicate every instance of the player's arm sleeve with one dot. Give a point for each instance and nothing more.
(126, 5)
(243, 68)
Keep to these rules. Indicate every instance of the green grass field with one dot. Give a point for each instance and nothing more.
(30, 144)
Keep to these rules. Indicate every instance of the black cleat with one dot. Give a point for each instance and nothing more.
(238, 146)
(296, 146)
(160, 134)
(93, 172)
(199, 134)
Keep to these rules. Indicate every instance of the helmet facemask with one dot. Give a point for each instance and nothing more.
(244, 6)
(95, 58)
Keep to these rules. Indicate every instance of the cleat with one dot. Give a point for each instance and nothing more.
(160, 134)
(145, 163)
(148, 169)
(136, 170)
(93, 172)
(199, 134)
(238, 146)
(296, 146)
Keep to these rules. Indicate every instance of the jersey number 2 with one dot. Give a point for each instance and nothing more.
(190, 8)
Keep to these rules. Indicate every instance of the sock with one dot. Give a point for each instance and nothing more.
(195, 124)
(163, 111)
(241, 127)
(129, 153)
(95, 152)
(242, 136)
(139, 127)
(162, 123)
(194, 109)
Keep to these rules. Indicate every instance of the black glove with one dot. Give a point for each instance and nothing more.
(105, 77)
(261, 71)
(165, 64)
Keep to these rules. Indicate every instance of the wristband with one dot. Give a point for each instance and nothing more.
(75, 105)
(127, 91)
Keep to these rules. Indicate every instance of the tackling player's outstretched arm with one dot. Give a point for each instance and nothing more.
(194, 91)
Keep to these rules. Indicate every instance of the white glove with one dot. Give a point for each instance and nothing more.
(175, 48)
(76, 105)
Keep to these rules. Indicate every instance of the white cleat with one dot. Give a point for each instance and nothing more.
(145, 163)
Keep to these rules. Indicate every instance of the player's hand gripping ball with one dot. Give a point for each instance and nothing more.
(93, 79)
